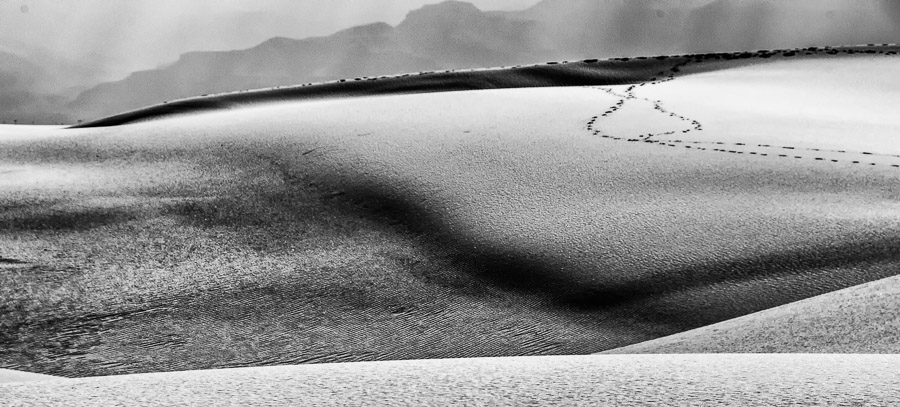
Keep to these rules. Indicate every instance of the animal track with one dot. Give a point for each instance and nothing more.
(657, 105)
(697, 126)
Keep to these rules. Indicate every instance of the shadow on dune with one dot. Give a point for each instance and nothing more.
(411, 287)
(673, 299)
(467, 299)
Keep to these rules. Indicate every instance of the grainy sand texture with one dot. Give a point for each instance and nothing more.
(624, 380)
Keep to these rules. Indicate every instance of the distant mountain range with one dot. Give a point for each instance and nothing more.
(454, 35)
(30, 93)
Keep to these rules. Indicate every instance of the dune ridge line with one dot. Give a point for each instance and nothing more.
(588, 72)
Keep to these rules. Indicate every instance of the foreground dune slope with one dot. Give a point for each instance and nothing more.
(625, 380)
(497, 222)
(859, 319)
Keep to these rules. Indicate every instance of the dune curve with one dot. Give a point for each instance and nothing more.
(443, 224)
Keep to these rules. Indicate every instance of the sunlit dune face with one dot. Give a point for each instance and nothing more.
(85, 180)
(829, 108)
(32, 177)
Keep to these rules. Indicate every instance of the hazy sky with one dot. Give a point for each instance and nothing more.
(126, 35)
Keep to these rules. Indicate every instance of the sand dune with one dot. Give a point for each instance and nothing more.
(633, 380)
(268, 228)
(859, 319)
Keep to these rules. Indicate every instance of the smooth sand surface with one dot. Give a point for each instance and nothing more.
(828, 116)
(859, 319)
(633, 380)
(456, 224)
(15, 376)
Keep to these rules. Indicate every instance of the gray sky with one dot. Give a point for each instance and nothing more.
(127, 35)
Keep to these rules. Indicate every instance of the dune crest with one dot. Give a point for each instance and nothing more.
(616, 71)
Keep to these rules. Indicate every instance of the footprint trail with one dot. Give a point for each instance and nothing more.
(665, 138)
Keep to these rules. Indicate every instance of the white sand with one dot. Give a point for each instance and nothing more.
(526, 233)
(683, 380)
(846, 104)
